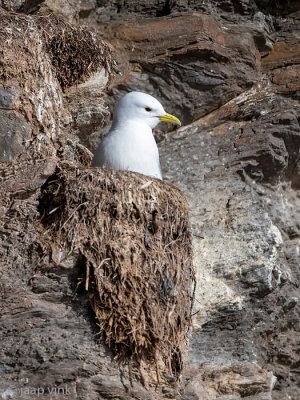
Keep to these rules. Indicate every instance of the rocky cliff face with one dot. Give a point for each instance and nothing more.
(230, 70)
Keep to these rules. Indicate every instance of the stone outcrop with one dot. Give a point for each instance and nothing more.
(230, 70)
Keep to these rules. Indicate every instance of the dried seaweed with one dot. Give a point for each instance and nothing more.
(133, 234)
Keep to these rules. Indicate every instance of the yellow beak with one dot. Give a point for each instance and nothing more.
(170, 118)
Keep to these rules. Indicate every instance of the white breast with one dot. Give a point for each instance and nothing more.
(129, 147)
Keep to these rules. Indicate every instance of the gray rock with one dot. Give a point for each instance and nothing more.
(229, 70)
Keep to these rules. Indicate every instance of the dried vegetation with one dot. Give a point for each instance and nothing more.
(133, 236)
(130, 233)
(74, 51)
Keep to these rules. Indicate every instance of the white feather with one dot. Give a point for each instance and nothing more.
(130, 144)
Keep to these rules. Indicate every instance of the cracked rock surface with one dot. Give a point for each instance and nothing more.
(229, 69)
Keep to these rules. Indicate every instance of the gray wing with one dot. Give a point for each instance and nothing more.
(98, 159)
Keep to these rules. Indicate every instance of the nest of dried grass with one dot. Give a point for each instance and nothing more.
(133, 235)
(75, 51)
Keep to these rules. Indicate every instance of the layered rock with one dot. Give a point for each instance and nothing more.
(230, 71)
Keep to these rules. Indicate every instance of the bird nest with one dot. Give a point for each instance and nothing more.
(76, 53)
(132, 234)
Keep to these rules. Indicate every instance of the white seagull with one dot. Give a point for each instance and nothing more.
(130, 144)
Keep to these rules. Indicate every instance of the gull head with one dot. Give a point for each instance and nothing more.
(138, 106)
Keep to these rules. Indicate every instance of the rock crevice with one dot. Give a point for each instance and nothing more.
(230, 70)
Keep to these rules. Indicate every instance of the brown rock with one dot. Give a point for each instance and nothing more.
(287, 78)
(190, 62)
(241, 232)
(230, 70)
(282, 54)
(66, 8)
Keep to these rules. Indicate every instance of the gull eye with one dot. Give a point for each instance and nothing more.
(148, 109)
